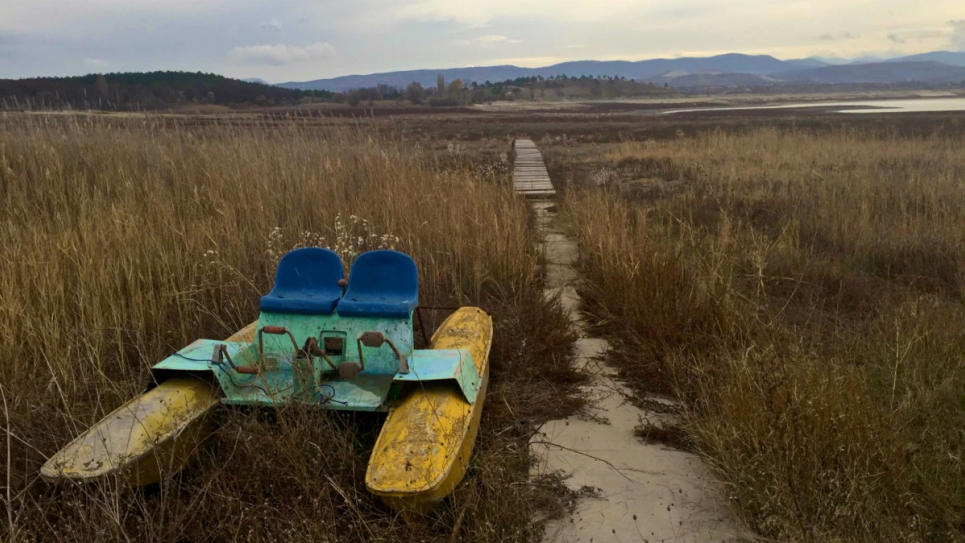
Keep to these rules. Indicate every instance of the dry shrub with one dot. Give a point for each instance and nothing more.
(671, 298)
(123, 239)
(886, 205)
(802, 294)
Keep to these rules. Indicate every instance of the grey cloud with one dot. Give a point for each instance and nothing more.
(827, 36)
(958, 34)
(291, 39)
(904, 36)
(273, 25)
(8, 45)
(8, 40)
(96, 63)
(491, 39)
(281, 54)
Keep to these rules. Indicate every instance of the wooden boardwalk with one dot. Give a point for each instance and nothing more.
(529, 172)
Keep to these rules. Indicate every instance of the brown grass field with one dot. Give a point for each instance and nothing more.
(121, 240)
(802, 293)
(795, 280)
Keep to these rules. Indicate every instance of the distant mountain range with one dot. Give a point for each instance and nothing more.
(944, 57)
(886, 73)
(722, 70)
(882, 72)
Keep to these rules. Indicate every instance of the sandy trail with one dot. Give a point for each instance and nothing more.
(644, 492)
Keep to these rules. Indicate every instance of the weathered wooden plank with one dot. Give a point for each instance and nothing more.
(530, 177)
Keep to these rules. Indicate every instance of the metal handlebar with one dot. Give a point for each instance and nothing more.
(277, 331)
(375, 340)
(220, 354)
(311, 348)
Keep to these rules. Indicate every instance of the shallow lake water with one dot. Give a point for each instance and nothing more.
(867, 106)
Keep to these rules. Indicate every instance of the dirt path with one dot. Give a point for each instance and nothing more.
(643, 492)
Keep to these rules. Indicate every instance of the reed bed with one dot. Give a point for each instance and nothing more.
(802, 294)
(124, 238)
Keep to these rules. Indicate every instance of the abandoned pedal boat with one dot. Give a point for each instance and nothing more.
(322, 341)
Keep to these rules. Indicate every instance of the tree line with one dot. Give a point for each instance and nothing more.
(163, 89)
(457, 92)
(148, 90)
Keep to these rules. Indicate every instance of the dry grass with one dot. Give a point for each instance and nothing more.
(803, 294)
(121, 240)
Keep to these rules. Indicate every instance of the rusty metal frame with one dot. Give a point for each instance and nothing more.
(277, 331)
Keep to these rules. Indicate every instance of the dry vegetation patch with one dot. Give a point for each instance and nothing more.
(802, 293)
(121, 240)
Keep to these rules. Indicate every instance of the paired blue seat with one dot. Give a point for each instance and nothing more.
(381, 284)
(306, 283)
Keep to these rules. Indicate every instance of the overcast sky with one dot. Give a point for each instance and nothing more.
(286, 40)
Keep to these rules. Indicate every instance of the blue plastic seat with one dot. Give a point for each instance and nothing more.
(381, 284)
(306, 283)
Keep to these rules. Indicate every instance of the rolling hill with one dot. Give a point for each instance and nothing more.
(641, 71)
(718, 71)
(145, 90)
(932, 73)
(882, 72)
(810, 62)
(944, 57)
(400, 79)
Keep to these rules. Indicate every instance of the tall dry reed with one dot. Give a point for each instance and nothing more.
(124, 238)
(803, 294)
